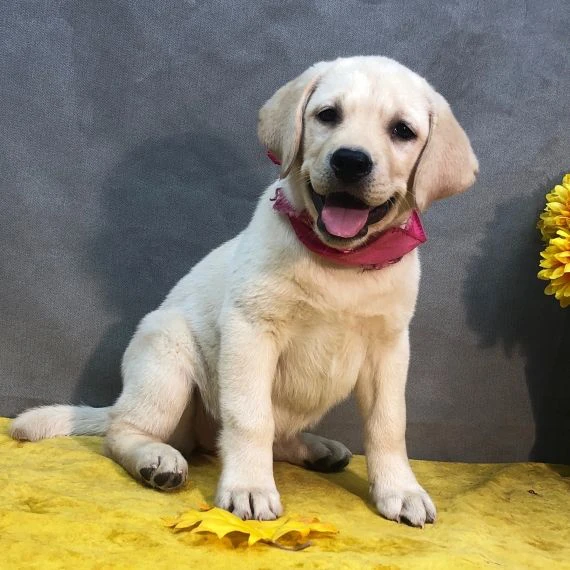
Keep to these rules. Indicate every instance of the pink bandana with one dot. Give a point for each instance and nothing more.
(380, 251)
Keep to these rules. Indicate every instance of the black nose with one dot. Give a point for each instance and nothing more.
(350, 165)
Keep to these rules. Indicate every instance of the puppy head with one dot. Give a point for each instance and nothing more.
(362, 141)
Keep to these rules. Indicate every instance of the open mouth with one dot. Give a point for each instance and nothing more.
(344, 216)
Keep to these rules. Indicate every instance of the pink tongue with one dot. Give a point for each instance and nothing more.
(343, 222)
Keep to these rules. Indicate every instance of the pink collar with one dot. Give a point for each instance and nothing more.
(380, 251)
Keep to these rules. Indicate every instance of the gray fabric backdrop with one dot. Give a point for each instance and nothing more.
(128, 151)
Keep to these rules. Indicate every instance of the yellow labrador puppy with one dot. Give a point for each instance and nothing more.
(310, 302)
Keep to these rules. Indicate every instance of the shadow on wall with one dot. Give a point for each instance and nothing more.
(165, 206)
(506, 305)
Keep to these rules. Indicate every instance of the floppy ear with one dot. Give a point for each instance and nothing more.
(447, 165)
(280, 125)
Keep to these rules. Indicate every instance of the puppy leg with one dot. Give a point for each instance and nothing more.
(248, 359)
(381, 395)
(159, 368)
(313, 452)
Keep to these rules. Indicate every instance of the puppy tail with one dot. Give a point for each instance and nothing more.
(52, 421)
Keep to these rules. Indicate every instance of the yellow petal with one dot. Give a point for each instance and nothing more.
(303, 529)
(292, 527)
(221, 522)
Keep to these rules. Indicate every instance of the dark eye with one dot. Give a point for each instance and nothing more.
(328, 115)
(403, 132)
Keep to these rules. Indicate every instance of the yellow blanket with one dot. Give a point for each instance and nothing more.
(63, 505)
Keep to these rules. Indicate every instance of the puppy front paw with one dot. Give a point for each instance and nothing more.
(161, 466)
(409, 503)
(261, 503)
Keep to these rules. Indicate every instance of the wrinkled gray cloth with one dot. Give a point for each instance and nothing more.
(129, 150)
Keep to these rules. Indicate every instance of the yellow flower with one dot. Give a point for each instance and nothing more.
(555, 265)
(554, 225)
(556, 214)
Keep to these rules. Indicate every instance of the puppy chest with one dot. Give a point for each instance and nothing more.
(318, 368)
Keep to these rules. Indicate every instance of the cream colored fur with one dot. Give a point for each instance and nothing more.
(261, 338)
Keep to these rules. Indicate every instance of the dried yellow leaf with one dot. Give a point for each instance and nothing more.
(220, 522)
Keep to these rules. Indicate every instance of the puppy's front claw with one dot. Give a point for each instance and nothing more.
(411, 505)
(263, 504)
